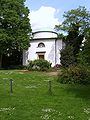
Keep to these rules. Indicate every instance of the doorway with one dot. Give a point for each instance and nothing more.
(41, 55)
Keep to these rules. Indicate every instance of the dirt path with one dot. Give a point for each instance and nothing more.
(52, 73)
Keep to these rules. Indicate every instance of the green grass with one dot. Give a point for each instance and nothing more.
(31, 99)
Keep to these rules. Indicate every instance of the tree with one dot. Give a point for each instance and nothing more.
(74, 39)
(84, 54)
(67, 56)
(15, 27)
(76, 25)
(79, 17)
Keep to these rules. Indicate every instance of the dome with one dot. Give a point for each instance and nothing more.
(44, 29)
(44, 33)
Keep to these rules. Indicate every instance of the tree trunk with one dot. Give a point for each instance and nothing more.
(0, 61)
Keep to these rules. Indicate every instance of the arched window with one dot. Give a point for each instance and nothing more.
(41, 45)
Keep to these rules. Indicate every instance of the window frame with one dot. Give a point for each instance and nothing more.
(41, 45)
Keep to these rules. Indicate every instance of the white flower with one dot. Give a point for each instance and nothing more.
(45, 117)
(47, 110)
(87, 110)
(71, 117)
(50, 113)
(59, 113)
(7, 109)
(31, 86)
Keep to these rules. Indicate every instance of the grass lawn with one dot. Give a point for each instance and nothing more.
(31, 99)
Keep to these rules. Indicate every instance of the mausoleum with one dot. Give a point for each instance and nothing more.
(45, 44)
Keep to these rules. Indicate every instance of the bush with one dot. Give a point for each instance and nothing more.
(39, 64)
(18, 67)
(30, 65)
(57, 66)
(74, 75)
(67, 56)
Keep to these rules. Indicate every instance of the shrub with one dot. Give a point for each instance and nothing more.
(39, 64)
(74, 74)
(30, 65)
(19, 67)
(57, 66)
(67, 56)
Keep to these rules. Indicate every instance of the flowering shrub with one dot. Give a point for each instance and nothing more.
(57, 66)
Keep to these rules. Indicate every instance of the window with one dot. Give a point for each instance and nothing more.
(41, 45)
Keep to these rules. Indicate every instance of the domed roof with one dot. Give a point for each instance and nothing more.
(44, 33)
(44, 29)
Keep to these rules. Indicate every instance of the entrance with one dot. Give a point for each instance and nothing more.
(41, 56)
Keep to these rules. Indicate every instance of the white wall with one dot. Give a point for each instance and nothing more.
(58, 48)
(52, 48)
(49, 50)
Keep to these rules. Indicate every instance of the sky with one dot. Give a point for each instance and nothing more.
(45, 14)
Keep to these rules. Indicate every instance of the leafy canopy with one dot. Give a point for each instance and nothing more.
(76, 24)
(79, 17)
(15, 27)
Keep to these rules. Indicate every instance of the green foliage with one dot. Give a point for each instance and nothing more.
(73, 42)
(39, 64)
(84, 54)
(74, 75)
(67, 56)
(74, 39)
(61, 36)
(76, 24)
(14, 26)
(30, 65)
(79, 16)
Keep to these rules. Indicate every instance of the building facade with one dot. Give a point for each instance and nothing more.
(44, 45)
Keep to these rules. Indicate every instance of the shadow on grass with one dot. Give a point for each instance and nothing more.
(80, 91)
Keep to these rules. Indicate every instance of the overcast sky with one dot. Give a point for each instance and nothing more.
(48, 13)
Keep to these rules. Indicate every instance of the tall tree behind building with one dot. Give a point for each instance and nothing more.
(76, 24)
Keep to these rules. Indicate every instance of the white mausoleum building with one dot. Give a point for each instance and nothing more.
(44, 45)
